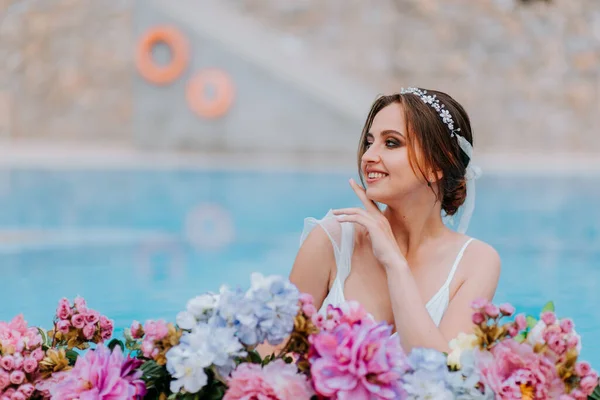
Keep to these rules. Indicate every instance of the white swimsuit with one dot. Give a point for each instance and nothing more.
(342, 240)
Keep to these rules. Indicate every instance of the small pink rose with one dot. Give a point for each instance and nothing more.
(30, 365)
(18, 361)
(583, 368)
(306, 298)
(572, 342)
(63, 326)
(513, 331)
(80, 305)
(105, 323)
(507, 309)
(64, 309)
(27, 389)
(8, 362)
(88, 331)
(588, 384)
(548, 317)
(566, 325)
(521, 322)
(38, 354)
(78, 321)
(92, 317)
(105, 335)
(309, 310)
(492, 310)
(18, 396)
(4, 379)
(478, 318)
(17, 377)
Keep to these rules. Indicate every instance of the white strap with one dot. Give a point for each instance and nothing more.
(347, 248)
(456, 262)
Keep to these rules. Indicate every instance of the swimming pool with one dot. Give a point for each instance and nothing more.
(137, 245)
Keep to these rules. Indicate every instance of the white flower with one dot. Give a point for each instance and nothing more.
(186, 320)
(199, 305)
(458, 345)
(186, 369)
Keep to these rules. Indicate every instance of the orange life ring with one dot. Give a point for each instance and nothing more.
(177, 42)
(216, 105)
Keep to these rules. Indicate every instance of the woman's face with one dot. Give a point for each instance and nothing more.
(385, 163)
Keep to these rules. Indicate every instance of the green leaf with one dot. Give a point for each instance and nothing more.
(116, 342)
(254, 357)
(531, 321)
(549, 306)
(71, 356)
(45, 340)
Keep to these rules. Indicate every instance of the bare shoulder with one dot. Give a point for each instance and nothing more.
(314, 265)
(482, 261)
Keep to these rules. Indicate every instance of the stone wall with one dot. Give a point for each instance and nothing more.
(528, 72)
(65, 69)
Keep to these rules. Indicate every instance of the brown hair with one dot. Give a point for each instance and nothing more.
(439, 150)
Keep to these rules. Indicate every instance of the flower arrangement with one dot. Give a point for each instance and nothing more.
(211, 353)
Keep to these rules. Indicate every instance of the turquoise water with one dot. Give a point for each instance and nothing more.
(126, 242)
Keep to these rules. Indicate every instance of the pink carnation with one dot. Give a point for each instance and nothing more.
(509, 366)
(360, 361)
(276, 380)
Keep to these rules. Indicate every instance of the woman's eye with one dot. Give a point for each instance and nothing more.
(392, 143)
(368, 144)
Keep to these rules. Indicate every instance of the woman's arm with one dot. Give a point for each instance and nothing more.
(414, 325)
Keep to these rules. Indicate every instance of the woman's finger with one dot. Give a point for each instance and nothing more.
(370, 205)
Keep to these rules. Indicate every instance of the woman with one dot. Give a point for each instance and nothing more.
(403, 264)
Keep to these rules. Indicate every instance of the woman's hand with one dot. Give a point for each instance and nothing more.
(385, 247)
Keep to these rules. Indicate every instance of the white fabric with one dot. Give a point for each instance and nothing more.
(342, 240)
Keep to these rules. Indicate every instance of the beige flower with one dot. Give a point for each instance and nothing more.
(457, 345)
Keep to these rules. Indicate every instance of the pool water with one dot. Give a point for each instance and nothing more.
(138, 244)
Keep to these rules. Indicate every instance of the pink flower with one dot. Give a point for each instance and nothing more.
(30, 365)
(548, 317)
(18, 361)
(136, 330)
(8, 362)
(478, 318)
(64, 309)
(4, 379)
(521, 322)
(588, 384)
(18, 396)
(572, 342)
(27, 389)
(566, 325)
(361, 361)
(509, 366)
(17, 377)
(582, 368)
(156, 330)
(99, 374)
(80, 305)
(63, 326)
(492, 310)
(479, 303)
(92, 317)
(38, 354)
(78, 321)
(106, 324)
(276, 380)
(88, 331)
(507, 309)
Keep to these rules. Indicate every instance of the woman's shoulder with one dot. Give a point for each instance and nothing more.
(481, 258)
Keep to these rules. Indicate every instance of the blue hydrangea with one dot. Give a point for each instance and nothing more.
(464, 383)
(427, 377)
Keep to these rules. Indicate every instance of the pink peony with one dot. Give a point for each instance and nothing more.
(276, 380)
(360, 361)
(99, 374)
(510, 366)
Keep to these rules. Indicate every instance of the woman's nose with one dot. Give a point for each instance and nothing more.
(371, 155)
